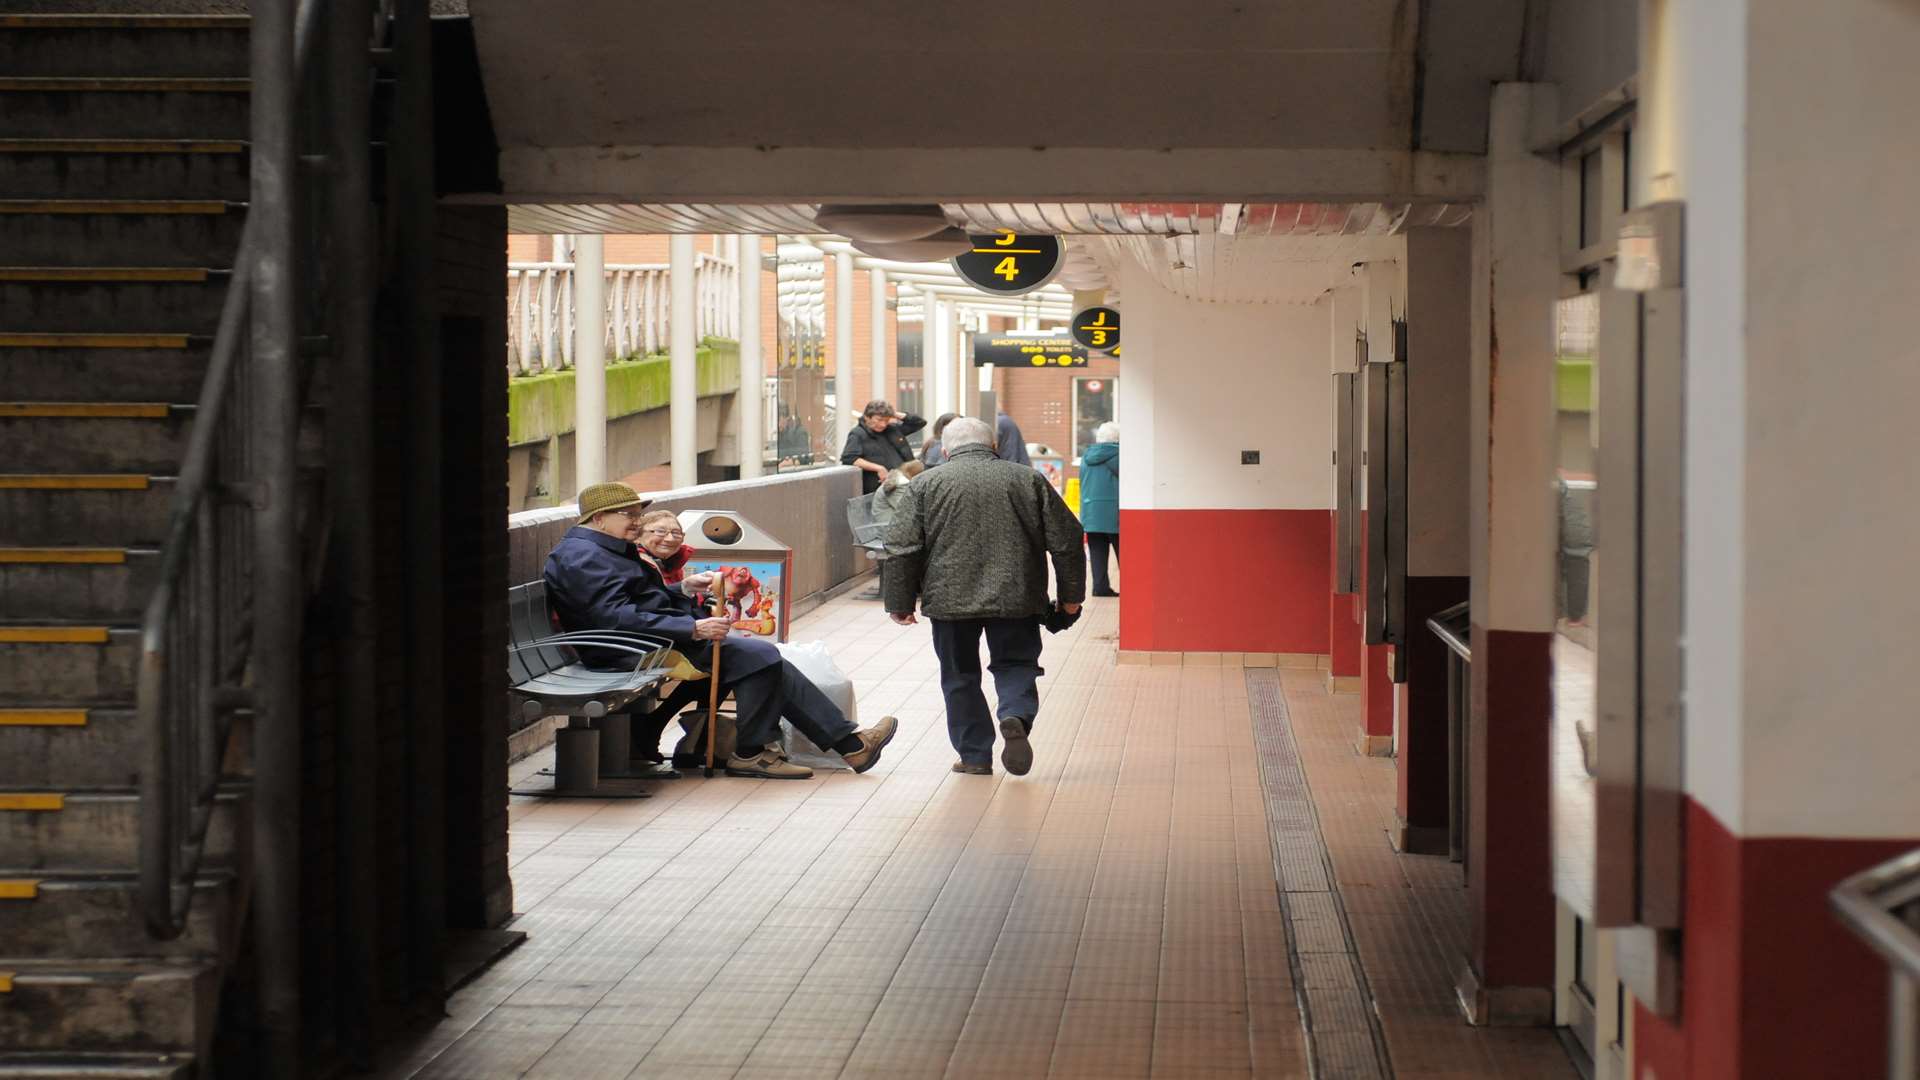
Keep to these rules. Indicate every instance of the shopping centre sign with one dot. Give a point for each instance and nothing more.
(1029, 352)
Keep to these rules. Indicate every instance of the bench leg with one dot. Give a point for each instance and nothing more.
(616, 743)
(576, 759)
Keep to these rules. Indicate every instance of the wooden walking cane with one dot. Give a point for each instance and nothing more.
(713, 676)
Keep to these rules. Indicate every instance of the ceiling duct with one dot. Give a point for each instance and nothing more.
(944, 244)
(881, 224)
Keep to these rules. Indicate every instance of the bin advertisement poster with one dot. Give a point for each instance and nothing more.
(755, 592)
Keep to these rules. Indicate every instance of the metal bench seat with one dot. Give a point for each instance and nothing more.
(548, 679)
(868, 534)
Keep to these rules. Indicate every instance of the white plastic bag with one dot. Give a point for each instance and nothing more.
(813, 660)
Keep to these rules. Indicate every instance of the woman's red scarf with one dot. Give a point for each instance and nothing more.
(672, 568)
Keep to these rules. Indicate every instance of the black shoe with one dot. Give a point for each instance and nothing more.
(1017, 754)
(1107, 593)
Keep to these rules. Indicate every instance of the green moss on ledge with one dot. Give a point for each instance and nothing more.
(541, 406)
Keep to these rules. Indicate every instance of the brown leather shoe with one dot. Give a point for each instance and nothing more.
(973, 770)
(768, 764)
(872, 741)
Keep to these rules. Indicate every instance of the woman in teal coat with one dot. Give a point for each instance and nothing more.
(1100, 501)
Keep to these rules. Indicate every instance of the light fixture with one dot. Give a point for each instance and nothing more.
(940, 246)
(881, 224)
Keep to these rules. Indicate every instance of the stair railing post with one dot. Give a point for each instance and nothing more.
(274, 415)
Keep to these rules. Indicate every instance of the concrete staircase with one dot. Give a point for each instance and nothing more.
(123, 175)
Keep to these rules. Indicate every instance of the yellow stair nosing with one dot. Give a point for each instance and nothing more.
(122, 274)
(33, 802)
(143, 84)
(6, 982)
(94, 341)
(43, 717)
(206, 207)
(74, 482)
(122, 146)
(66, 556)
(54, 635)
(77, 21)
(19, 888)
(84, 410)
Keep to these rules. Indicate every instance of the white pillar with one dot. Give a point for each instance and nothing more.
(934, 348)
(847, 395)
(753, 367)
(683, 399)
(589, 361)
(883, 381)
(963, 371)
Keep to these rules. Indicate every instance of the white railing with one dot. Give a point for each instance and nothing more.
(540, 310)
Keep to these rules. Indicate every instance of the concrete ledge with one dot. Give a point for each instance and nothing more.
(1343, 684)
(533, 738)
(1299, 661)
(1501, 1006)
(1373, 745)
(1418, 839)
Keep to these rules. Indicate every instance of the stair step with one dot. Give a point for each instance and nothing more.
(72, 676)
(123, 45)
(107, 584)
(118, 367)
(53, 305)
(127, 510)
(138, 232)
(59, 1066)
(123, 169)
(99, 916)
(153, 1006)
(92, 830)
(103, 751)
(68, 107)
(95, 441)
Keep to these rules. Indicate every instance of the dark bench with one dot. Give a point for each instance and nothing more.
(548, 679)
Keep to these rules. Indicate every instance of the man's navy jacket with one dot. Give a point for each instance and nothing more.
(596, 582)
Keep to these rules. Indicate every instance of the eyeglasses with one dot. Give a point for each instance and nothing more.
(673, 533)
(628, 514)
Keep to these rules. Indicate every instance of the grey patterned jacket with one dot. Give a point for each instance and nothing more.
(972, 539)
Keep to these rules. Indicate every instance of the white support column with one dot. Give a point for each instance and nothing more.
(963, 371)
(684, 394)
(883, 380)
(753, 368)
(847, 395)
(589, 361)
(934, 348)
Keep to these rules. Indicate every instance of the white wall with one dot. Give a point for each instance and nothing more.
(1205, 381)
(1697, 60)
(1832, 382)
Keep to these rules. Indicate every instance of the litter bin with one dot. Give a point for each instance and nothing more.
(756, 568)
(1050, 465)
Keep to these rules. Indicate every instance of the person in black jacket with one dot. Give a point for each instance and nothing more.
(879, 444)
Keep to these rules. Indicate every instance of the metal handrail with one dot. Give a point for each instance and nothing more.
(196, 633)
(172, 836)
(1439, 625)
(1881, 906)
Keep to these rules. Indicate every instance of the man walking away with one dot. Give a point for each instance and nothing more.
(971, 544)
(1008, 443)
(879, 444)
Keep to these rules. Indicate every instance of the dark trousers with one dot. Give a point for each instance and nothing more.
(760, 699)
(1013, 647)
(770, 693)
(1097, 545)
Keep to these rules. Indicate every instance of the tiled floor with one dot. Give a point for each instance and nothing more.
(1112, 914)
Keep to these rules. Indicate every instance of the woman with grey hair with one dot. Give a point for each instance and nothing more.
(1100, 502)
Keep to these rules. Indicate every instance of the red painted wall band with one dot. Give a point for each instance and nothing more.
(1772, 983)
(1225, 580)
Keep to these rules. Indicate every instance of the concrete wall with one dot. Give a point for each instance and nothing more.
(542, 472)
(1201, 383)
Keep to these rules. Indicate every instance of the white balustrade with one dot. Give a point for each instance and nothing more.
(540, 310)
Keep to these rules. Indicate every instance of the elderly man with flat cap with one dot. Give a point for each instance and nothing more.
(597, 579)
